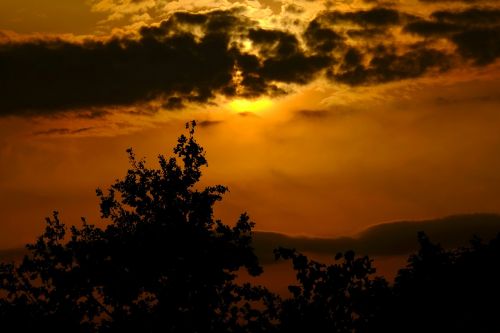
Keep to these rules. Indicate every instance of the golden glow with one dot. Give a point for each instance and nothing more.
(248, 105)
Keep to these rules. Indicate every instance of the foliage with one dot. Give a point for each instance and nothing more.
(162, 262)
(342, 297)
(448, 290)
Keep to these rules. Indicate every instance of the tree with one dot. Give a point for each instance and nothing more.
(342, 297)
(161, 264)
(444, 290)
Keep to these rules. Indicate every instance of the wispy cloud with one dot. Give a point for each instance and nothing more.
(63, 131)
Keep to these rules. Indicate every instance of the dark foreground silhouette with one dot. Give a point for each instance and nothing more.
(163, 264)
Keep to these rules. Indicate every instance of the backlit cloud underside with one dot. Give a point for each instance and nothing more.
(197, 56)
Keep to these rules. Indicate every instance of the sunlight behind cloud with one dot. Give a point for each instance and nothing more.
(248, 105)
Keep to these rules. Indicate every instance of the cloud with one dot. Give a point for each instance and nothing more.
(321, 38)
(119, 9)
(460, 100)
(471, 16)
(293, 9)
(481, 45)
(63, 131)
(247, 114)
(49, 76)
(395, 238)
(445, 23)
(195, 57)
(312, 114)
(283, 59)
(474, 31)
(454, 1)
(375, 17)
(209, 123)
(387, 65)
(187, 58)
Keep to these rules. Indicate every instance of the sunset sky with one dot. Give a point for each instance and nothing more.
(322, 117)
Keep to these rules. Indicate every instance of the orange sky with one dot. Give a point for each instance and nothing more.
(329, 155)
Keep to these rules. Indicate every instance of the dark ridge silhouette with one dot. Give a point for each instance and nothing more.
(394, 238)
(164, 264)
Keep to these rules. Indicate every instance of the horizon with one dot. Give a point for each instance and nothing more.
(391, 117)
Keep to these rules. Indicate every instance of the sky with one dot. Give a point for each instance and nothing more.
(324, 118)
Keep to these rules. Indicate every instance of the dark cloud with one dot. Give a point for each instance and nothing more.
(454, 1)
(321, 38)
(469, 17)
(312, 114)
(377, 59)
(375, 17)
(274, 43)
(284, 59)
(446, 23)
(481, 45)
(367, 33)
(209, 123)
(169, 62)
(248, 114)
(431, 28)
(386, 65)
(47, 76)
(63, 131)
(293, 9)
(475, 32)
(194, 57)
(173, 103)
(92, 114)
(396, 238)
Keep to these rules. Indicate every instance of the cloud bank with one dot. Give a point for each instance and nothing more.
(395, 238)
(195, 57)
(386, 239)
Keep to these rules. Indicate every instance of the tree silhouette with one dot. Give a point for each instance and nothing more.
(161, 264)
(447, 290)
(342, 297)
(439, 290)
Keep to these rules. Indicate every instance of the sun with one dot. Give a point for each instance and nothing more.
(250, 105)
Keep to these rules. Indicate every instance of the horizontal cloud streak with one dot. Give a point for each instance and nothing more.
(396, 238)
